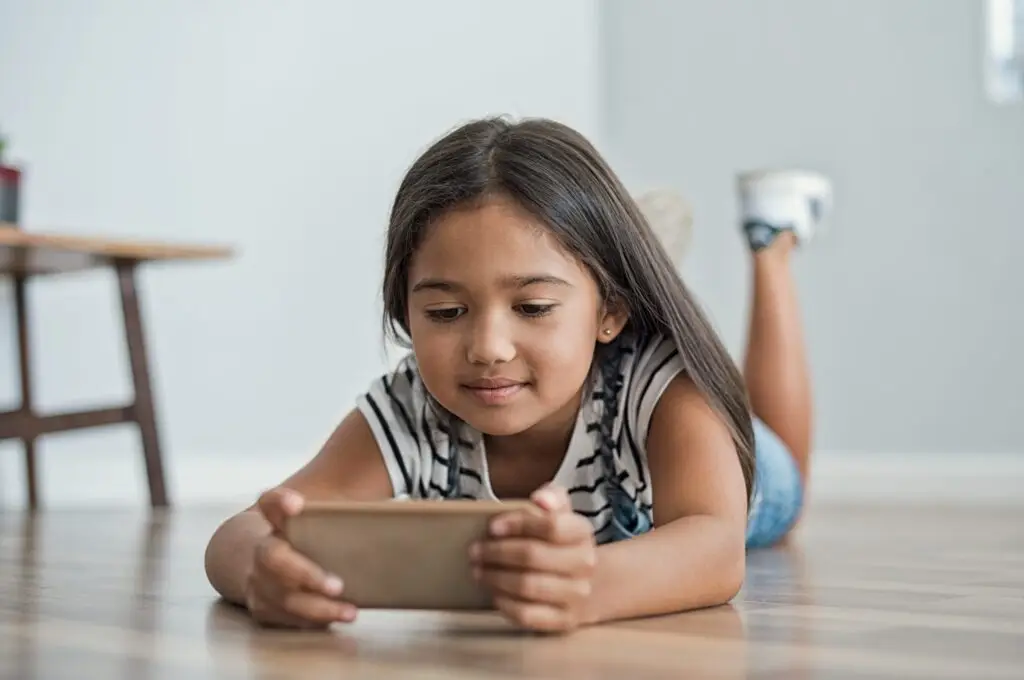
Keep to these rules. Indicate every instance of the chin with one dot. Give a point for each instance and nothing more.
(495, 423)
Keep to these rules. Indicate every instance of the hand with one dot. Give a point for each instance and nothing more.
(285, 588)
(539, 563)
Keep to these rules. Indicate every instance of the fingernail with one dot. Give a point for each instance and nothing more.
(332, 585)
(347, 612)
(292, 501)
(474, 551)
(499, 527)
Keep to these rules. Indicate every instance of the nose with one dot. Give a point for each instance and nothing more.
(489, 341)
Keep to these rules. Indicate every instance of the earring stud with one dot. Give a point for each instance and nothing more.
(607, 331)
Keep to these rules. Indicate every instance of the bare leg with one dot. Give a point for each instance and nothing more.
(776, 367)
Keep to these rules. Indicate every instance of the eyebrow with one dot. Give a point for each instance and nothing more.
(521, 281)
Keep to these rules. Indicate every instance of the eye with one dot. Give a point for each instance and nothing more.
(533, 309)
(445, 315)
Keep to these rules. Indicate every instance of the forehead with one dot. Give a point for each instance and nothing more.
(488, 241)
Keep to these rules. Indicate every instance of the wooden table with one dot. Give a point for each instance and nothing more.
(868, 592)
(24, 255)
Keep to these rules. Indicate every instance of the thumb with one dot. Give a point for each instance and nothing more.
(552, 498)
(277, 505)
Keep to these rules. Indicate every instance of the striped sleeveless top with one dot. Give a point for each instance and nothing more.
(606, 455)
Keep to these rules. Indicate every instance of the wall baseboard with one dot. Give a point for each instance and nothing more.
(198, 478)
(918, 478)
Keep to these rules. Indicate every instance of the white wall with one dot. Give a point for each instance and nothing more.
(913, 301)
(279, 127)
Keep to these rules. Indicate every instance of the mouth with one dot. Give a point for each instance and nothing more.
(494, 391)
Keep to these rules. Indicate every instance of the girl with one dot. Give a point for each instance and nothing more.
(557, 355)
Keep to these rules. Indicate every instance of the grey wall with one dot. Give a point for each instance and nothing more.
(913, 301)
(159, 121)
(280, 128)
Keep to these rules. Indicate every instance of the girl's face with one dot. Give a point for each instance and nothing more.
(502, 320)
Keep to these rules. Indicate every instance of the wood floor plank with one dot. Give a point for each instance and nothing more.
(863, 592)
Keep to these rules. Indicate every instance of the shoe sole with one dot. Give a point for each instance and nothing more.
(670, 218)
(803, 181)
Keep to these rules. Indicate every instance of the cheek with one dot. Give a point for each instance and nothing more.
(437, 354)
(561, 354)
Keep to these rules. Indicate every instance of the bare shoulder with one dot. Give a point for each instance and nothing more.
(348, 465)
(683, 415)
(694, 463)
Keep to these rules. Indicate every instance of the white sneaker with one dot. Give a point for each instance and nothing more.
(774, 201)
(671, 219)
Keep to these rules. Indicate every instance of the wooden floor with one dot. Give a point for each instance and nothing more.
(866, 593)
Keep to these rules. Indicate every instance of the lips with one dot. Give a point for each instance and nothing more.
(492, 383)
(494, 391)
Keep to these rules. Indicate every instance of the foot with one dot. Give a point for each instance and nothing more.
(775, 202)
(671, 220)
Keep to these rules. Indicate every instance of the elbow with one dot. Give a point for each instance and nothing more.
(212, 559)
(731, 575)
(224, 557)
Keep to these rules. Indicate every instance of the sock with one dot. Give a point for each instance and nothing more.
(761, 234)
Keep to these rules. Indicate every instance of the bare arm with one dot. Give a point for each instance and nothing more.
(348, 466)
(695, 555)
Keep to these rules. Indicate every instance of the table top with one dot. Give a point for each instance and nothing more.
(865, 593)
(34, 253)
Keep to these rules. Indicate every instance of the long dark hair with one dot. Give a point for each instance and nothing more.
(558, 176)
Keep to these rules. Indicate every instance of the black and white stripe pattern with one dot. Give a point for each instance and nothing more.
(418, 448)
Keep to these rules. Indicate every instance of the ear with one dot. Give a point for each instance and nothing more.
(614, 316)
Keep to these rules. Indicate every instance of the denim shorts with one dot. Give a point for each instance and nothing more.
(777, 498)
(778, 490)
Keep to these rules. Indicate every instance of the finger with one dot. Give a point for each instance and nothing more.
(305, 612)
(537, 587)
(563, 528)
(560, 527)
(283, 564)
(284, 605)
(266, 611)
(532, 555)
(539, 617)
(552, 498)
(264, 599)
(277, 505)
(315, 608)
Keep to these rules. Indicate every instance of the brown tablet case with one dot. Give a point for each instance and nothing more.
(399, 554)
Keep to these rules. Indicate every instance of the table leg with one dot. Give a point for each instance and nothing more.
(144, 411)
(24, 363)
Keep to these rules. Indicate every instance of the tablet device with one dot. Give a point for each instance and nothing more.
(399, 554)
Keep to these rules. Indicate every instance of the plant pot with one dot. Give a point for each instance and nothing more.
(10, 191)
